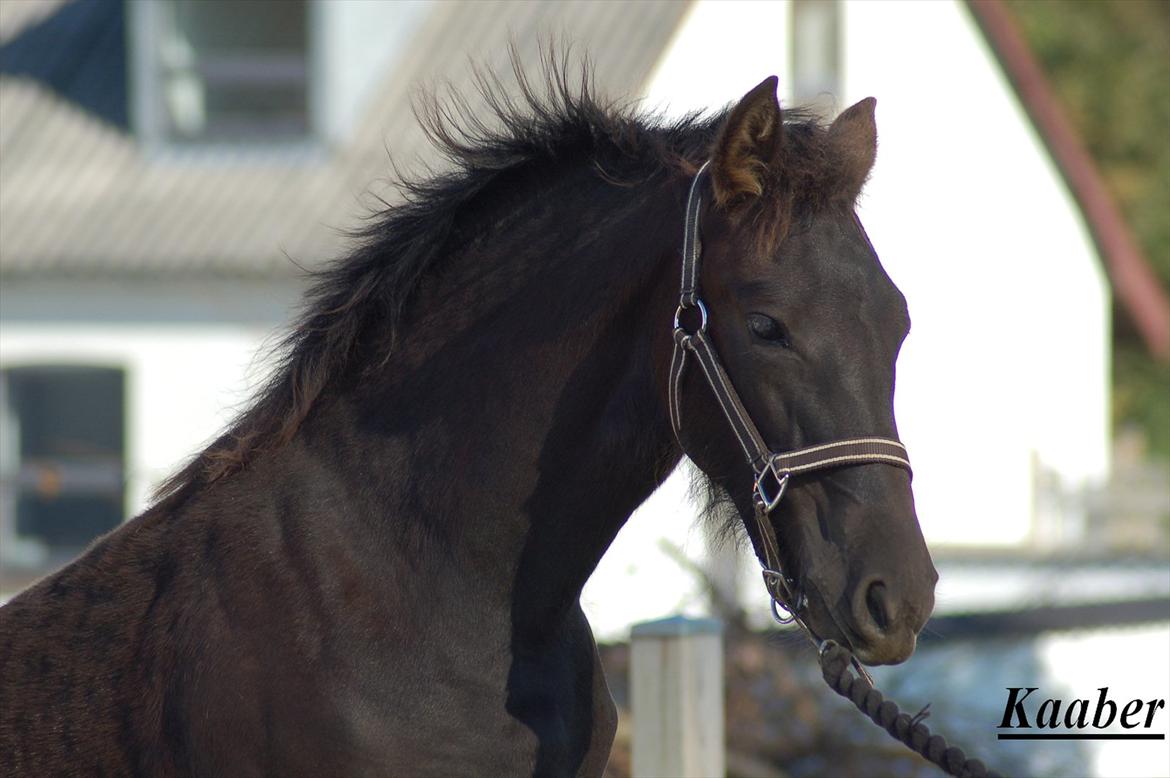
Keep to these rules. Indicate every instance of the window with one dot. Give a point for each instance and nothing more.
(63, 466)
(816, 70)
(223, 70)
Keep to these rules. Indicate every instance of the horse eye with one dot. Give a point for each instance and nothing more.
(767, 328)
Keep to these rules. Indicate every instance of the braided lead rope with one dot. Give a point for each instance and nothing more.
(836, 661)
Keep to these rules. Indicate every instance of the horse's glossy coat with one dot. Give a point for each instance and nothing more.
(377, 570)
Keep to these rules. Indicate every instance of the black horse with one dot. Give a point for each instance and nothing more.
(376, 570)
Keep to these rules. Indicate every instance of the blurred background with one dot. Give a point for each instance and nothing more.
(168, 170)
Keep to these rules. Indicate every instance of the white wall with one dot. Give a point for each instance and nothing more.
(1006, 368)
(354, 42)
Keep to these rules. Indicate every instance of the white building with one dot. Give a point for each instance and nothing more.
(148, 198)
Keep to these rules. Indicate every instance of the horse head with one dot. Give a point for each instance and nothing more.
(807, 326)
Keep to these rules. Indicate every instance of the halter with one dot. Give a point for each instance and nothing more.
(771, 470)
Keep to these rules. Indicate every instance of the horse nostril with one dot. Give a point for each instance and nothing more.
(884, 621)
(876, 599)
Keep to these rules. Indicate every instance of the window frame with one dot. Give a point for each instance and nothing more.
(149, 118)
(69, 476)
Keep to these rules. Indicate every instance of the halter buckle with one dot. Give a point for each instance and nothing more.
(770, 486)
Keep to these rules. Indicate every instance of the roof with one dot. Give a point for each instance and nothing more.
(80, 197)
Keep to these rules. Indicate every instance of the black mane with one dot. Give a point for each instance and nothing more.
(554, 121)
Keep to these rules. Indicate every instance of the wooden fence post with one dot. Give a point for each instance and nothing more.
(676, 683)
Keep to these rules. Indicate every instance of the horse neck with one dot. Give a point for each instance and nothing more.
(523, 417)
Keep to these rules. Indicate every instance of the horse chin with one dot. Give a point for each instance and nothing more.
(893, 652)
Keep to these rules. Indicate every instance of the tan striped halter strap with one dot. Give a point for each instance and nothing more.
(771, 470)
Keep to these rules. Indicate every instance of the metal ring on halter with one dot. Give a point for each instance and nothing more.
(683, 309)
(776, 607)
(781, 595)
(793, 611)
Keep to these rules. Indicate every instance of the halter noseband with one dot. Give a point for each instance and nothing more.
(771, 470)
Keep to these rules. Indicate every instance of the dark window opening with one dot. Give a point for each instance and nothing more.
(64, 456)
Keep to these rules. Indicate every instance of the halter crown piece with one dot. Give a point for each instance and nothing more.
(771, 470)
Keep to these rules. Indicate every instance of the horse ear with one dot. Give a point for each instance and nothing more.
(853, 135)
(747, 144)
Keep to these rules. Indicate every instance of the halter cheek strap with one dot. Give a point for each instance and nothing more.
(771, 470)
